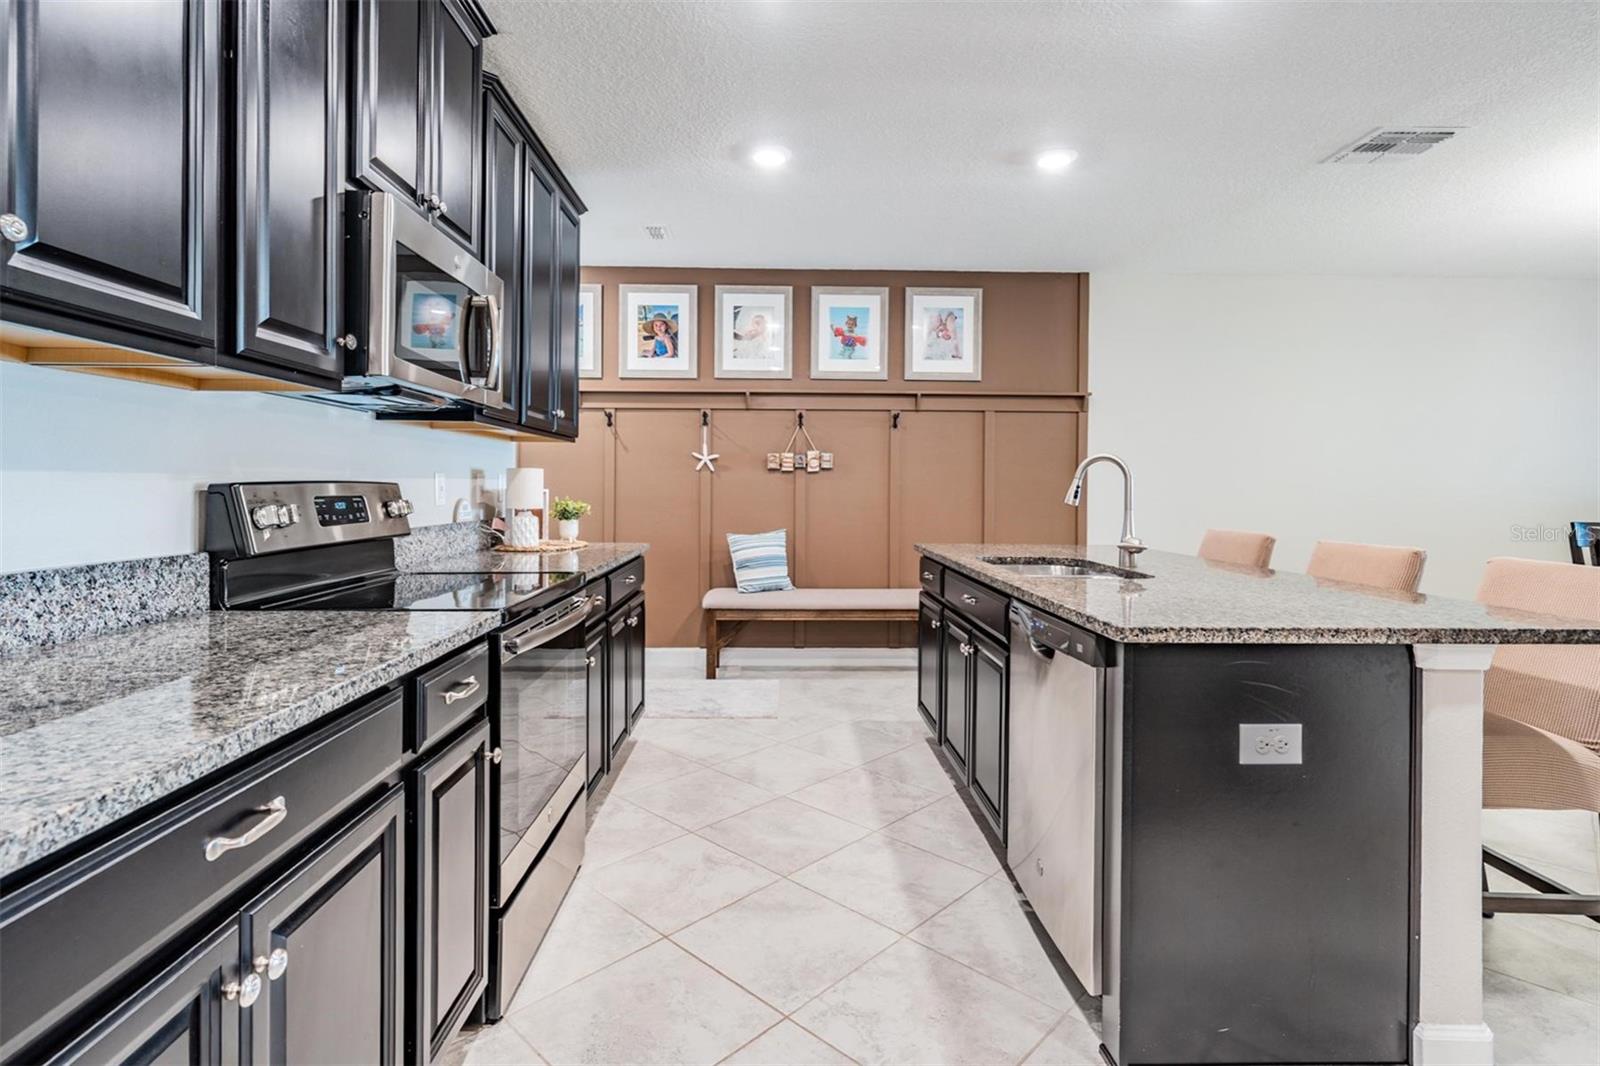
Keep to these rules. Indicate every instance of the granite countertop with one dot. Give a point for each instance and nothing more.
(1187, 600)
(95, 728)
(589, 562)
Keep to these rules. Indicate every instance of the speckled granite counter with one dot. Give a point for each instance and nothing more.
(93, 729)
(1186, 600)
(590, 561)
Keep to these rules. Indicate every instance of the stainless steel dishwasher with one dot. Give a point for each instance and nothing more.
(1054, 845)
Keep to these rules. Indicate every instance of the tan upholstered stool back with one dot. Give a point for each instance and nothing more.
(1237, 547)
(1379, 565)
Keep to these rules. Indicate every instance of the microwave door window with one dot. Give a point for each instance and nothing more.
(433, 312)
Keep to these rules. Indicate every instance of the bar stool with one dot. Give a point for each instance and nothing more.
(1237, 547)
(1541, 722)
(1378, 565)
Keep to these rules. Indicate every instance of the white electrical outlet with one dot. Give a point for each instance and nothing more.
(438, 490)
(1269, 743)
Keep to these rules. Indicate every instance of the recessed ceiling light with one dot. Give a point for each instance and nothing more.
(1055, 160)
(770, 156)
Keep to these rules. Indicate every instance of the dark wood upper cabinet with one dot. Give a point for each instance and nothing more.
(502, 237)
(540, 312)
(181, 1016)
(111, 164)
(564, 359)
(450, 877)
(419, 79)
(288, 174)
(331, 932)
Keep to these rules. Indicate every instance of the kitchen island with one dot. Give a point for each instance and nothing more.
(1249, 799)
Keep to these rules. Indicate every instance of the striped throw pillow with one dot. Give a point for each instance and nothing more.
(760, 560)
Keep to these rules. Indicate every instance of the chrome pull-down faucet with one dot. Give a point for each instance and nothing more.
(1130, 545)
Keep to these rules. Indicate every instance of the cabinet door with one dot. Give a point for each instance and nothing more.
(565, 358)
(635, 663)
(502, 239)
(389, 112)
(930, 658)
(538, 289)
(989, 708)
(328, 939)
(595, 655)
(457, 57)
(450, 883)
(617, 683)
(957, 689)
(111, 163)
(187, 1014)
(288, 178)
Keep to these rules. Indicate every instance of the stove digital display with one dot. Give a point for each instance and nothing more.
(341, 510)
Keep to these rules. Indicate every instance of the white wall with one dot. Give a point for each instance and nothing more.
(93, 470)
(1440, 412)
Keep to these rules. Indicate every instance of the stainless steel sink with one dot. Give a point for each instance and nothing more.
(1063, 568)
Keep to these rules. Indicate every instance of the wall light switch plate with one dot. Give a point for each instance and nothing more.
(438, 490)
(1271, 743)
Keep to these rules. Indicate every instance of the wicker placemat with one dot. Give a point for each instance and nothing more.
(546, 546)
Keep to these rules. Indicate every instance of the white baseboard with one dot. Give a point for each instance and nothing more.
(1436, 1044)
(777, 658)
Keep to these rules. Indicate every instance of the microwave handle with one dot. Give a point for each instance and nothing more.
(490, 306)
(496, 344)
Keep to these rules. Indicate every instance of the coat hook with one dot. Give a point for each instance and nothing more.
(609, 420)
(705, 417)
(894, 420)
(800, 419)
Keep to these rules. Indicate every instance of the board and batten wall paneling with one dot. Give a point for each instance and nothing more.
(747, 498)
(656, 498)
(844, 532)
(939, 483)
(1031, 456)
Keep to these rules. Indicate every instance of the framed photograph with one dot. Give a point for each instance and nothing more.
(944, 334)
(848, 331)
(656, 331)
(753, 335)
(589, 364)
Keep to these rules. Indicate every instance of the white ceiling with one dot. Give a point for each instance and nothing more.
(1200, 127)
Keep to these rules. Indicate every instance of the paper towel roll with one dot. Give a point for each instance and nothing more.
(524, 487)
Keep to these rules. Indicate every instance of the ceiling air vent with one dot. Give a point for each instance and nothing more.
(1393, 145)
(656, 233)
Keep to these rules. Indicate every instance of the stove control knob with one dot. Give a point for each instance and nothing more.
(290, 513)
(274, 515)
(397, 508)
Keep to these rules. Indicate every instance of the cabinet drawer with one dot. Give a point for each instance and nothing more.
(448, 695)
(625, 581)
(72, 934)
(983, 605)
(930, 573)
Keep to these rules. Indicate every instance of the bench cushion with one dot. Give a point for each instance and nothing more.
(812, 600)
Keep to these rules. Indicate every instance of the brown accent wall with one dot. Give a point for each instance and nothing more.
(968, 461)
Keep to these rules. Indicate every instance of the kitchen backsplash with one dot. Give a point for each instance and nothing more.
(50, 606)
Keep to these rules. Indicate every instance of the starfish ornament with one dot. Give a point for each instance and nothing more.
(705, 457)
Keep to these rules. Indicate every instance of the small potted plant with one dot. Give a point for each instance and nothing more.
(567, 512)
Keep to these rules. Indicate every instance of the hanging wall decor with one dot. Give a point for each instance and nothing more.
(849, 327)
(944, 335)
(656, 331)
(754, 339)
(705, 458)
(812, 460)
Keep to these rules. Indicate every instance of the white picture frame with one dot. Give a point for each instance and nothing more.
(951, 350)
(755, 332)
(861, 354)
(646, 351)
(591, 299)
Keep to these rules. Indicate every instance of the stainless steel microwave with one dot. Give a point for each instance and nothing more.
(424, 316)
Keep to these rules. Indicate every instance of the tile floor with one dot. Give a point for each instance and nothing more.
(782, 872)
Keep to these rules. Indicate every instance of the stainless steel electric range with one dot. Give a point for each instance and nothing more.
(329, 546)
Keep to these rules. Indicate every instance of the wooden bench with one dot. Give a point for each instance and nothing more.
(727, 610)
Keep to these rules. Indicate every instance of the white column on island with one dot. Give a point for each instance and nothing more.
(1450, 1027)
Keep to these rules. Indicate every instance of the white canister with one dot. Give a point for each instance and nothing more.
(526, 528)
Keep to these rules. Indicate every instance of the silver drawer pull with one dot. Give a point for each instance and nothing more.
(934, 623)
(275, 812)
(927, 575)
(634, 620)
(969, 599)
(461, 690)
(591, 660)
(631, 579)
(966, 649)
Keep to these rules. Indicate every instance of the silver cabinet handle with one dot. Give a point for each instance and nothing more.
(348, 342)
(275, 812)
(496, 755)
(927, 576)
(560, 412)
(969, 599)
(461, 690)
(433, 201)
(631, 579)
(272, 965)
(633, 621)
(440, 205)
(12, 228)
(934, 623)
(966, 649)
(246, 991)
(591, 660)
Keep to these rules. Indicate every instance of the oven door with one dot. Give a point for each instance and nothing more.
(542, 741)
(433, 313)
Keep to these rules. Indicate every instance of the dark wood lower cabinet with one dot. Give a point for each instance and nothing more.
(182, 1016)
(617, 679)
(450, 889)
(331, 932)
(598, 749)
(930, 658)
(635, 661)
(955, 715)
(989, 673)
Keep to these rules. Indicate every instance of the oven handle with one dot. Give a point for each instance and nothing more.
(545, 630)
